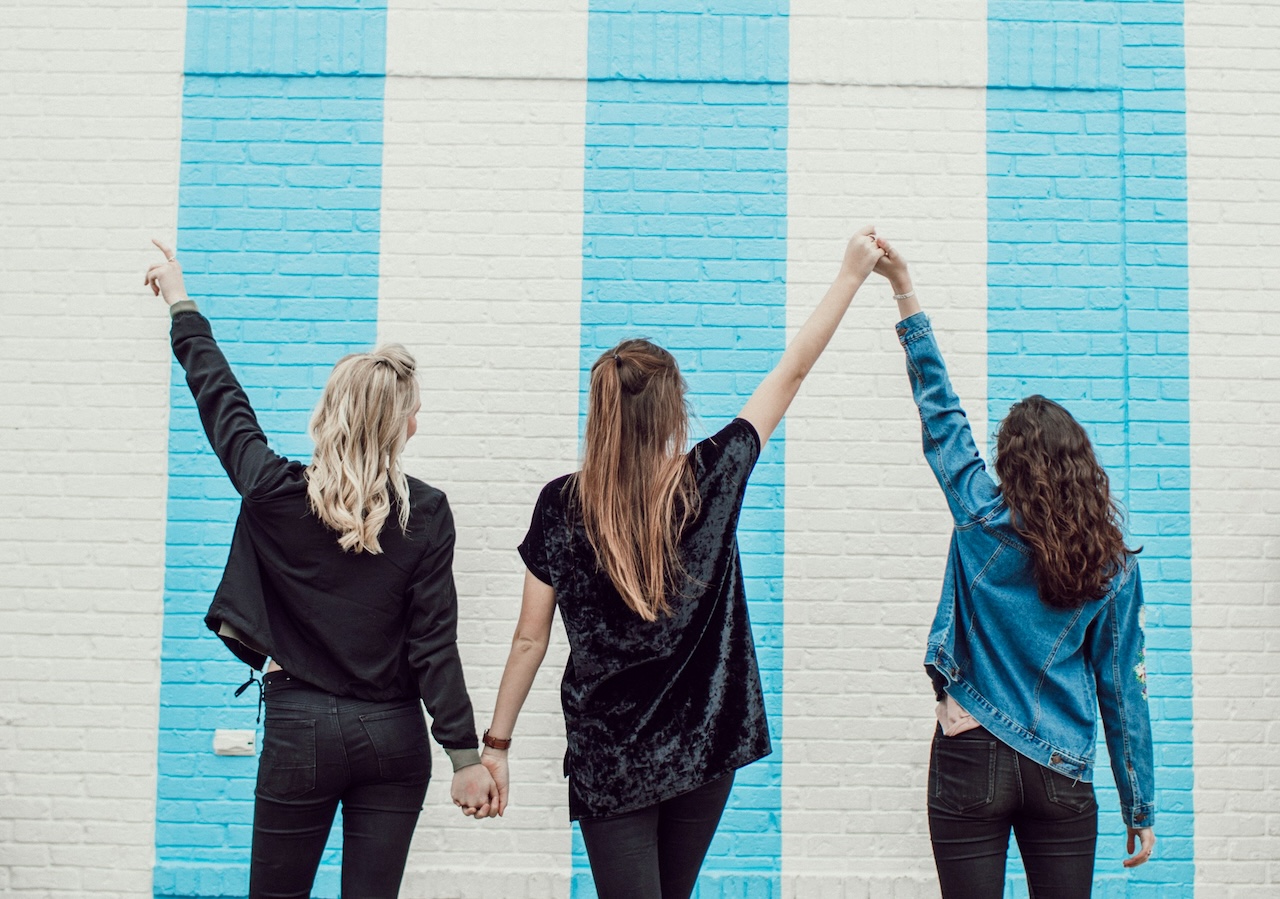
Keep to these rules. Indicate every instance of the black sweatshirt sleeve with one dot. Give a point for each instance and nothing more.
(224, 407)
(433, 637)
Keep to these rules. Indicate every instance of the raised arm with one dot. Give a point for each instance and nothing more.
(528, 649)
(947, 435)
(225, 411)
(770, 401)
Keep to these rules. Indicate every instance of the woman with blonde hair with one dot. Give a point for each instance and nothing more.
(1039, 627)
(340, 573)
(661, 695)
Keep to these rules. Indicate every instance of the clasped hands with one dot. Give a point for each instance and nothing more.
(480, 791)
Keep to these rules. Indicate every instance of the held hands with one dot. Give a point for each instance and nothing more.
(474, 792)
(1147, 837)
(165, 278)
(861, 254)
(495, 760)
(893, 267)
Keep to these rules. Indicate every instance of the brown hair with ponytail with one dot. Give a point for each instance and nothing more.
(636, 488)
(1061, 502)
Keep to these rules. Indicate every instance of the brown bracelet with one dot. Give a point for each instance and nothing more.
(494, 742)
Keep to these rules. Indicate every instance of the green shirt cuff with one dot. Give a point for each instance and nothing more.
(463, 758)
(183, 306)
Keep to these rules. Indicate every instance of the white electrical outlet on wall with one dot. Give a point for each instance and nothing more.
(234, 742)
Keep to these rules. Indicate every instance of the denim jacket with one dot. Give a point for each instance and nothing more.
(1030, 674)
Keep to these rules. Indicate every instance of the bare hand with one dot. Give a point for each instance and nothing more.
(474, 792)
(1147, 837)
(496, 761)
(892, 266)
(165, 278)
(861, 254)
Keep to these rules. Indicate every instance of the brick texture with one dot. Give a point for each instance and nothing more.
(1233, 136)
(524, 184)
(280, 191)
(89, 149)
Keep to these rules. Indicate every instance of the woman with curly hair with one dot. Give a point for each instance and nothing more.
(1039, 625)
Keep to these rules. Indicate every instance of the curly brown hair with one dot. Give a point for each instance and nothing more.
(1061, 502)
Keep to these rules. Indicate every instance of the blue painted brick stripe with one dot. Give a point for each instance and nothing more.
(1087, 303)
(684, 242)
(278, 231)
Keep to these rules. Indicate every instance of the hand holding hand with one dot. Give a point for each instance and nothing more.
(474, 792)
(1147, 837)
(893, 267)
(861, 254)
(495, 760)
(165, 278)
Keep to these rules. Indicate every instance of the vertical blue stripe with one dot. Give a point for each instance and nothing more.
(684, 242)
(1087, 304)
(278, 229)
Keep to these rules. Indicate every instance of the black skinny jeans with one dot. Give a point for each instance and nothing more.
(979, 788)
(320, 750)
(655, 852)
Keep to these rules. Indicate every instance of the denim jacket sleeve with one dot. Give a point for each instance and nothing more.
(948, 438)
(1117, 654)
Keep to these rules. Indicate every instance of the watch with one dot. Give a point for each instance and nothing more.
(494, 742)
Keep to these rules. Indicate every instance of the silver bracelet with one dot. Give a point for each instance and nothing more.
(904, 296)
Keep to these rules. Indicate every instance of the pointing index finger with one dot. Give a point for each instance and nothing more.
(163, 247)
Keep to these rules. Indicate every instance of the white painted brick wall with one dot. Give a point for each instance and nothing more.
(888, 126)
(89, 95)
(1233, 137)
(481, 265)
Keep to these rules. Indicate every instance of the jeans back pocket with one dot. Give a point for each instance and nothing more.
(399, 738)
(962, 773)
(287, 768)
(1076, 795)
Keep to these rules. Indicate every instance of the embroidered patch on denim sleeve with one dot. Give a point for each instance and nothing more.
(1140, 669)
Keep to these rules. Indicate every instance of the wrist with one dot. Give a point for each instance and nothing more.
(850, 281)
(901, 284)
(501, 744)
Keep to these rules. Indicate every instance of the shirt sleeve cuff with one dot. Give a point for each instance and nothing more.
(463, 758)
(912, 327)
(526, 554)
(1141, 816)
(183, 306)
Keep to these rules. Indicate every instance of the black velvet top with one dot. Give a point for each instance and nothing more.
(655, 709)
(375, 627)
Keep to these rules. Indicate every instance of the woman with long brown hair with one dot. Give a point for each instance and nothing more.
(341, 574)
(638, 549)
(1038, 627)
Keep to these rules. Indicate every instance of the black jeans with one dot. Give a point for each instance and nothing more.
(319, 750)
(655, 852)
(979, 788)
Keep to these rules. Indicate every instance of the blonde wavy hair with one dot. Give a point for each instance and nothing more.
(360, 428)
